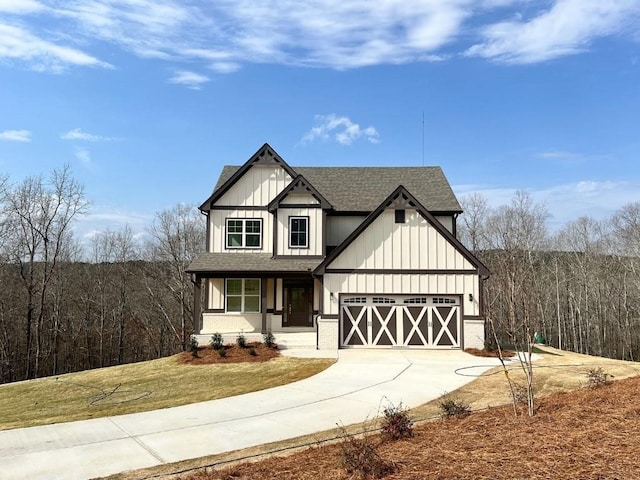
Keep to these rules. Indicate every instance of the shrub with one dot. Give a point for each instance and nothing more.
(216, 341)
(241, 341)
(597, 377)
(222, 352)
(268, 339)
(451, 408)
(520, 393)
(396, 423)
(193, 346)
(360, 458)
(252, 352)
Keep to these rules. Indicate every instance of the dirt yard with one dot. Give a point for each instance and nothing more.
(585, 434)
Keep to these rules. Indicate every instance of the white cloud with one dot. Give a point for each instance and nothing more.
(19, 44)
(20, 6)
(557, 155)
(16, 135)
(190, 80)
(568, 27)
(78, 134)
(342, 129)
(84, 156)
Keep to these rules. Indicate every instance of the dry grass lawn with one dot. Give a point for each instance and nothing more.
(139, 387)
(586, 434)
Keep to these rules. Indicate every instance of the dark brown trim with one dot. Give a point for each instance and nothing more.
(308, 219)
(270, 310)
(197, 304)
(206, 247)
(391, 200)
(274, 234)
(265, 155)
(330, 316)
(278, 312)
(244, 233)
(301, 274)
(299, 185)
(481, 296)
(263, 303)
(214, 310)
(380, 271)
(473, 317)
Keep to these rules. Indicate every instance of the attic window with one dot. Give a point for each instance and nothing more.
(400, 216)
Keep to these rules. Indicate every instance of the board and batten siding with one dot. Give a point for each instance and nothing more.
(257, 187)
(314, 231)
(413, 245)
(299, 199)
(217, 230)
(390, 284)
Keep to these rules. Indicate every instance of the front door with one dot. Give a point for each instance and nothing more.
(298, 305)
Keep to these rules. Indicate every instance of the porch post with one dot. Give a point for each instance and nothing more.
(263, 303)
(197, 304)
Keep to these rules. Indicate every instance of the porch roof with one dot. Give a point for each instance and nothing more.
(250, 262)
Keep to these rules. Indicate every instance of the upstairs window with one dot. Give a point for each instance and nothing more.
(244, 232)
(298, 232)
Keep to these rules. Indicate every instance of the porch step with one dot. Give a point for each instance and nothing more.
(284, 341)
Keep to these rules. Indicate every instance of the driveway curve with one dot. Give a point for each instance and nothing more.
(350, 391)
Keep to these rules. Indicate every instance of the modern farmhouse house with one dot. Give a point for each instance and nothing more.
(364, 257)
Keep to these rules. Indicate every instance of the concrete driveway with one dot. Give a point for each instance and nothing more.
(350, 391)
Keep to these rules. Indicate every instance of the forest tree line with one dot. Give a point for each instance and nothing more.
(67, 305)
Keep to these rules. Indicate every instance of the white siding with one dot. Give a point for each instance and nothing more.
(339, 228)
(447, 222)
(257, 187)
(423, 284)
(217, 230)
(315, 231)
(413, 245)
(299, 199)
(216, 293)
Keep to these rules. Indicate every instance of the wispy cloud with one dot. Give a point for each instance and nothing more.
(225, 35)
(84, 156)
(78, 134)
(568, 27)
(17, 43)
(341, 129)
(16, 136)
(557, 155)
(190, 80)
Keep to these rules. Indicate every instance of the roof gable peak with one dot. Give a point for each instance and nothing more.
(299, 185)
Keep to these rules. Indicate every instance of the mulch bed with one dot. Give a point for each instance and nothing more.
(235, 354)
(585, 434)
(489, 353)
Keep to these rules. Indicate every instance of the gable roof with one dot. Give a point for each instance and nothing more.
(299, 185)
(362, 189)
(402, 198)
(265, 155)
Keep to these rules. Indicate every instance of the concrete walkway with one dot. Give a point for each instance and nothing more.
(353, 390)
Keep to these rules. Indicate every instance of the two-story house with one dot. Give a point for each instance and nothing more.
(364, 256)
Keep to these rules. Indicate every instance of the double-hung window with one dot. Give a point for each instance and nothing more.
(298, 232)
(244, 232)
(243, 295)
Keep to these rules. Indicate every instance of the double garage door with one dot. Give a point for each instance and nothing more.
(400, 321)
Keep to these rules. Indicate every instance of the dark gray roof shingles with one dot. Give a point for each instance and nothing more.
(362, 189)
(250, 262)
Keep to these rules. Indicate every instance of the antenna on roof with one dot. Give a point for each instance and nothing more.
(423, 138)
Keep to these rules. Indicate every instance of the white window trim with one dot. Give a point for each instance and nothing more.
(306, 219)
(242, 296)
(243, 233)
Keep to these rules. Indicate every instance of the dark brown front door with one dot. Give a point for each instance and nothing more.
(298, 305)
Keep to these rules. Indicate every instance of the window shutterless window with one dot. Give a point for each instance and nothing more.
(298, 232)
(243, 295)
(244, 232)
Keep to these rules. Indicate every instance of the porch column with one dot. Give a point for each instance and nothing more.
(263, 303)
(197, 304)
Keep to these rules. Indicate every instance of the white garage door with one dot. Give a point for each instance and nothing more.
(400, 321)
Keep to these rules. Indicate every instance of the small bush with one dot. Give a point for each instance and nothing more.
(222, 352)
(396, 423)
(193, 346)
(597, 377)
(452, 408)
(252, 352)
(268, 339)
(216, 341)
(241, 341)
(360, 458)
(520, 393)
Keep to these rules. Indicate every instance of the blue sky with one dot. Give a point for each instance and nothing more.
(148, 99)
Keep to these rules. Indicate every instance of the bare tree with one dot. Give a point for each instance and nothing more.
(474, 222)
